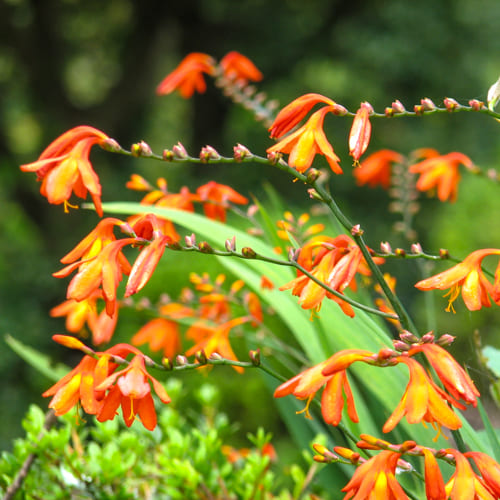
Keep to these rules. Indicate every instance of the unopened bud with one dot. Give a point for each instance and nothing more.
(428, 338)
(419, 109)
(215, 356)
(180, 152)
(444, 254)
(416, 248)
(373, 441)
(190, 240)
(408, 337)
(255, 357)
(168, 155)
(476, 105)
(201, 357)
(356, 230)
(181, 360)
(400, 252)
(167, 363)
(174, 246)
(314, 195)
(407, 446)
(398, 107)
(388, 112)
(450, 104)
(72, 343)
(427, 104)
(274, 158)
(312, 175)
(339, 110)
(293, 254)
(248, 253)
(400, 346)
(209, 153)
(241, 152)
(204, 247)
(231, 244)
(252, 210)
(445, 340)
(140, 149)
(347, 453)
(385, 247)
(111, 145)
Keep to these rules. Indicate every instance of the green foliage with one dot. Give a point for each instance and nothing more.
(184, 458)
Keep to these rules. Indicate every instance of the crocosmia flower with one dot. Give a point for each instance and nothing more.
(236, 66)
(361, 130)
(468, 277)
(441, 173)
(188, 76)
(64, 167)
(489, 469)
(376, 168)
(216, 197)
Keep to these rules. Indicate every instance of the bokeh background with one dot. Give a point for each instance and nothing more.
(68, 62)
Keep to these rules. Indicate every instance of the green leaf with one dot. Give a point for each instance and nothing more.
(37, 360)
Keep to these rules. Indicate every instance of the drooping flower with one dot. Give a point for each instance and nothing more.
(452, 375)
(467, 275)
(464, 483)
(359, 136)
(159, 334)
(188, 76)
(308, 141)
(130, 388)
(64, 167)
(236, 66)
(215, 198)
(375, 479)
(376, 168)
(441, 173)
(307, 383)
(423, 401)
(489, 469)
(294, 112)
(434, 483)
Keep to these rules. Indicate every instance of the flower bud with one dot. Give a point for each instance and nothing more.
(427, 104)
(209, 153)
(419, 109)
(190, 240)
(385, 247)
(181, 360)
(167, 363)
(356, 230)
(347, 453)
(416, 248)
(339, 110)
(407, 446)
(201, 357)
(274, 158)
(141, 149)
(398, 107)
(450, 104)
(312, 175)
(293, 254)
(231, 244)
(255, 357)
(428, 338)
(408, 337)
(205, 247)
(168, 155)
(248, 253)
(444, 254)
(215, 356)
(400, 346)
(180, 152)
(476, 105)
(400, 252)
(72, 343)
(241, 152)
(314, 195)
(111, 145)
(445, 340)
(388, 112)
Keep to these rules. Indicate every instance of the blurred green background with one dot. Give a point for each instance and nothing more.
(68, 62)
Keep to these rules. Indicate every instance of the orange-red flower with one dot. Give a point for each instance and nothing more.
(452, 375)
(489, 469)
(308, 141)
(215, 198)
(423, 400)
(434, 483)
(375, 479)
(307, 383)
(64, 167)
(361, 130)
(160, 334)
(468, 275)
(294, 112)
(188, 76)
(132, 392)
(441, 173)
(236, 66)
(464, 484)
(376, 168)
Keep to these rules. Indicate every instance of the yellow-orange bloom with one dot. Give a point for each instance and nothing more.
(464, 484)
(188, 76)
(308, 141)
(434, 483)
(361, 130)
(64, 167)
(375, 479)
(423, 400)
(159, 334)
(452, 375)
(376, 168)
(489, 469)
(441, 173)
(132, 392)
(215, 198)
(468, 275)
(236, 66)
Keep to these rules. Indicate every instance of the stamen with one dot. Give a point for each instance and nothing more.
(306, 409)
(453, 293)
(68, 204)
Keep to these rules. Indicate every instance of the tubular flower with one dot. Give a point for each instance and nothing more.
(215, 198)
(159, 334)
(361, 130)
(423, 401)
(133, 392)
(434, 484)
(188, 76)
(441, 173)
(376, 168)
(307, 383)
(468, 274)
(236, 66)
(452, 375)
(308, 141)
(216, 340)
(464, 484)
(489, 469)
(294, 112)
(375, 479)
(64, 167)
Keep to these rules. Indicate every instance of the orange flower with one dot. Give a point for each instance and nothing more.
(375, 479)
(376, 168)
(434, 484)
(236, 66)
(159, 333)
(307, 383)
(465, 484)
(188, 76)
(215, 198)
(361, 130)
(133, 392)
(293, 113)
(423, 401)
(308, 141)
(452, 375)
(489, 469)
(64, 167)
(468, 275)
(441, 173)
